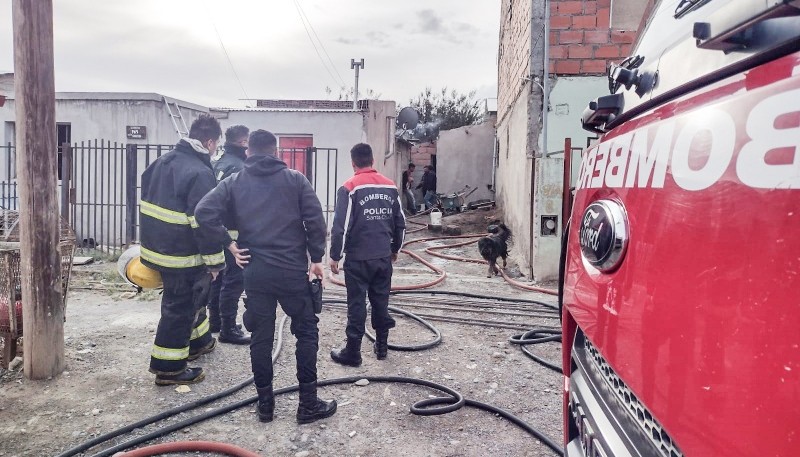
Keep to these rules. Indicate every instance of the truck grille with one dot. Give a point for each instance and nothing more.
(650, 426)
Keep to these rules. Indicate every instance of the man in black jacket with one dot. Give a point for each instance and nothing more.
(406, 183)
(369, 226)
(226, 290)
(280, 225)
(428, 186)
(172, 244)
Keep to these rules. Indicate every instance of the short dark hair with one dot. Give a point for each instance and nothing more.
(361, 154)
(428, 167)
(411, 165)
(262, 142)
(236, 133)
(205, 128)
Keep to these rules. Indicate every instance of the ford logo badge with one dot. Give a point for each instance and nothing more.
(604, 234)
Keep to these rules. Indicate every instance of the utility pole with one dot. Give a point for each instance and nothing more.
(43, 313)
(357, 65)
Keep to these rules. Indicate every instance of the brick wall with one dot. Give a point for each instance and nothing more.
(582, 42)
(513, 52)
(421, 154)
(307, 104)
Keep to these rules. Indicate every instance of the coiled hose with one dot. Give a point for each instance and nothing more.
(179, 409)
(427, 407)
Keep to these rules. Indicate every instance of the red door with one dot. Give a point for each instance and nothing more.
(292, 150)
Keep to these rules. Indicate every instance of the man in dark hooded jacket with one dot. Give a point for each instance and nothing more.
(226, 290)
(281, 226)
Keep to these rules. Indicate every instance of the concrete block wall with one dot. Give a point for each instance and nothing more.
(582, 38)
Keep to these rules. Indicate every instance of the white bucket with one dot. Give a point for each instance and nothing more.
(436, 217)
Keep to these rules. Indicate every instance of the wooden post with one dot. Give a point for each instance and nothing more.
(43, 314)
(566, 195)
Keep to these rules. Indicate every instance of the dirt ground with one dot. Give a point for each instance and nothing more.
(106, 385)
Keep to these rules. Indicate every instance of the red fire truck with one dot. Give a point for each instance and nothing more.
(681, 267)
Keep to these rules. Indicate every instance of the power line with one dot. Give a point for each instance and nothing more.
(322, 61)
(225, 51)
(322, 45)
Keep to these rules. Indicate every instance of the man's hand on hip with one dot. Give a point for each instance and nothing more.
(334, 264)
(241, 255)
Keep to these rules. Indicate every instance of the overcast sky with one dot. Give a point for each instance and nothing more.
(171, 47)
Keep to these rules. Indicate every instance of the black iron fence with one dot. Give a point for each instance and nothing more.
(100, 186)
(8, 178)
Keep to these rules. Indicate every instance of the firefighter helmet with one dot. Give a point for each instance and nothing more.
(135, 273)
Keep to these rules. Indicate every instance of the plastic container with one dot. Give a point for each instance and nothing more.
(436, 217)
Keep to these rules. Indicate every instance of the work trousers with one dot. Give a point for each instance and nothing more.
(226, 291)
(430, 199)
(411, 202)
(266, 286)
(371, 278)
(183, 326)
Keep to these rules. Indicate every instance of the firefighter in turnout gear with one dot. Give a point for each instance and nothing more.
(281, 227)
(226, 290)
(369, 227)
(173, 245)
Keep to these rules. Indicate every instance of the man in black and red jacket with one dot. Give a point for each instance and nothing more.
(369, 228)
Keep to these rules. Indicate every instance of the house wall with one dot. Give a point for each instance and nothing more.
(513, 178)
(569, 96)
(464, 157)
(583, 41)
(336, 130)
(513, 54)
(547, 202)
(98, 116)
(379, 128)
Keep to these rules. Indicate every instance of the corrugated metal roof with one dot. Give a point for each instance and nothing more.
(288, 110)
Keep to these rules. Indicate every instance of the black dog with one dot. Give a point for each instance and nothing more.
(495, 245)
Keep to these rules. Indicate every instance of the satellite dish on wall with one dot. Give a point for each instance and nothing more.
(408, 118)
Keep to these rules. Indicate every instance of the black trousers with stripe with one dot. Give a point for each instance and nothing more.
(183, 327)
(373, 279)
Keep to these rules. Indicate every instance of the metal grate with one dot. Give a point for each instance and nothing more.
(649, 425)
(10, 280)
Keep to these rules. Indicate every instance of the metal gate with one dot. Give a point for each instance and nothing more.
(9, 198)
(321, 167)
(100, 193)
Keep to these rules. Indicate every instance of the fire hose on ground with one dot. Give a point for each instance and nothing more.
(431, 406)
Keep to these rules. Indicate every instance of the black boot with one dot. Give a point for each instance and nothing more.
(381, 346)
(193, 355)
(350, 355)
(231, 333)
(312, 408)
(214, 322)
(187, 376)
(266, 403)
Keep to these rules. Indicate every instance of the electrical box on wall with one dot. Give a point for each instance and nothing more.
(549, 225)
